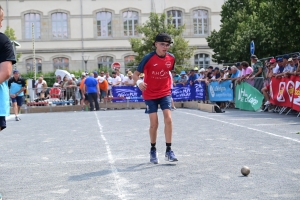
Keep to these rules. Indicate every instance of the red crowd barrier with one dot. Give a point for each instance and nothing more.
(286, 92)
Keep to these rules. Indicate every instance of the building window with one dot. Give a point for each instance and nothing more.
(59, 25)
(61, 63)
(104, 24)
(200, 21)
(202, 60)
(129, 60)
(176, 17)
(130, 20)
(32, 18)
(105, 62)
(29, 65)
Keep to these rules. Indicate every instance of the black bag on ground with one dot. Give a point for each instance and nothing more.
(218, 109)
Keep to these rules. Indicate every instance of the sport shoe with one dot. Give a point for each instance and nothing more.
(18, 118)
(267, 103)
(170, 156)
(153, 157)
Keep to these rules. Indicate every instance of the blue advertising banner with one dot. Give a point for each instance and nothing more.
(133, 94)
(199, 91)
(181, 93)
(220, 91)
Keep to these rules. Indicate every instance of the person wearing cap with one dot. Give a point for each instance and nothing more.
(96, 76)
(183, 78)
(156, 88)
(288, 69)
(103, 86)
(54, 92)
(266, 89)
(128, 81)
(193, 76)
(175, 77)
(7, 60)
(257, 67)
(279, 66)
(16, 86)
(93, 93)
(201, 76)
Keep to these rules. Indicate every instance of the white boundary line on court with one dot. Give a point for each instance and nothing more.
(280, 136)
(111, 161)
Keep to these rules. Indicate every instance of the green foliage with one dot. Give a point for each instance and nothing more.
(157, 24)
(270, 23)
(10, 33)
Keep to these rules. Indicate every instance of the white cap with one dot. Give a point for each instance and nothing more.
(101, 79)
(72, 75)
(202, 70)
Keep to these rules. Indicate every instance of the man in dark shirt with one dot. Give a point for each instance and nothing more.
(7, 59)
(16, 86)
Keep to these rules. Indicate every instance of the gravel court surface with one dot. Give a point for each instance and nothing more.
(105, 155)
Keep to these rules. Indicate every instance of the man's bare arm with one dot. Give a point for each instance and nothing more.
(5, 71)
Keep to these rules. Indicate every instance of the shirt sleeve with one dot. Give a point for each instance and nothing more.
(144, 62)
(9, 82)
(6, 49)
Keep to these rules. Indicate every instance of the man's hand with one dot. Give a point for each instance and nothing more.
(143, 86)
(13, 95)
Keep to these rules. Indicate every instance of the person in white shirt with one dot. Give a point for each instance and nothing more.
(129, 80)
(116, 80)
(120, 75)
(109, 81)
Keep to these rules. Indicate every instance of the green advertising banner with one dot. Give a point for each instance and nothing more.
(247, 97)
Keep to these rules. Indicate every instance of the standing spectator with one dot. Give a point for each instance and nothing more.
(42, 77)
(102, 74)
(285, 59)
(58, 80)
(116, 80)
(129, 80)
(240, 68)
(288, 69)
(7, 59)
(295, 62)
(109, 81)
(92, 90)
(83, 95)
(70, 87)
(246, 71)
(117, 70)
(257, 67)
(175, 77)
(193, 76)
(201, 76)
(266, 89)
(217, 73)
(103, 86)
(183, 78)
(16, 85)
(235, 73)
(41, 88)
(210, 68)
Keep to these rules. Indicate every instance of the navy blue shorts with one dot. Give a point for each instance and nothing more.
(2, 123)
(152, 105)
(18, 99)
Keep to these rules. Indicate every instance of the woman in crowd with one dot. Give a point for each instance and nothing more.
(41, 88)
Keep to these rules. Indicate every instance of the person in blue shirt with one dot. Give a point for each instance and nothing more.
(91, 87)
(193, 76)
(16, 86)
(235, 73)
(7, 59)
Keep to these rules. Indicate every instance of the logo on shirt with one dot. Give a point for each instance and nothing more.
(155, 65)
(168, 64)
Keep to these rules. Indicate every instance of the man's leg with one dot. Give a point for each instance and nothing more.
(19, 102)
(95, 98)
(165, 104)
(90, 97)
(2, 123)
(266, 95)
(152, 107)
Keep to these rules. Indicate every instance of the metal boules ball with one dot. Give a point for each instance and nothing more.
(245, 171)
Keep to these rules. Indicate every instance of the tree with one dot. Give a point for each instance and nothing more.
(157, 24)
(10, 33)
(270, 23)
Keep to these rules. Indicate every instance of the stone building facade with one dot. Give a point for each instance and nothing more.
(67, 32)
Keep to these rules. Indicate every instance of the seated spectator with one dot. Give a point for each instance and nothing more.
(55, 92)
(129, 80)
(183, 78)
(193, 76)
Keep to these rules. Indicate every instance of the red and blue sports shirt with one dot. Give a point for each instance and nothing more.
(156, 70)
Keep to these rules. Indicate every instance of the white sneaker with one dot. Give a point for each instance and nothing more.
(267, 103)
